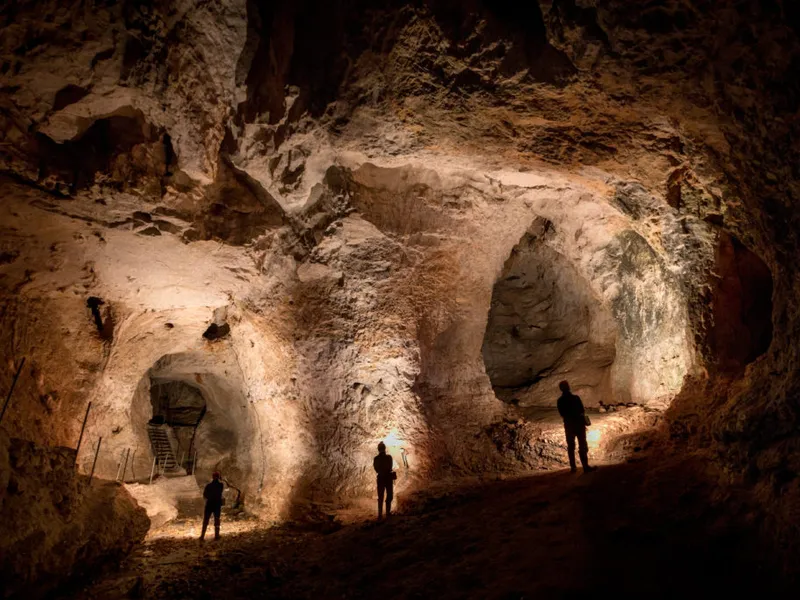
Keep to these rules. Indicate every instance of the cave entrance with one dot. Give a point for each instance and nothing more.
(610, 318)
(545, 325)
(191, 414)
(178, 409)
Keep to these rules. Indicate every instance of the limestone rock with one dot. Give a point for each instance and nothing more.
(357, 186)
(59, 523)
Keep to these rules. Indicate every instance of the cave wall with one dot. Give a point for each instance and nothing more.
(353, 194)
(58, 525)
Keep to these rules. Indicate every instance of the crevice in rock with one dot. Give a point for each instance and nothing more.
(742, 305)
(105, 326)
(216, 332)
(67, 95)
(103, 151)
(240, 209)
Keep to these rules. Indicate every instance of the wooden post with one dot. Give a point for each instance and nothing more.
(194, 463)
(119, 466)
(83, 428)
(133, 471)
(11, 391)
(125, 465)
(94, 462)
(153, 470)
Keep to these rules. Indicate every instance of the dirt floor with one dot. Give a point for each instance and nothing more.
(639, 530)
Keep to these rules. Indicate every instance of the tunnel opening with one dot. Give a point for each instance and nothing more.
(616, 328)
(178, 409)
(545, 324)
(190, 418)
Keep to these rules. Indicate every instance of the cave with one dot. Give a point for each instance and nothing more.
(257, 239)
(178, 409)
(546, 325)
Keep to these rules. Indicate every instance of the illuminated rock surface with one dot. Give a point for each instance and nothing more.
(56, 524)
(319, 225)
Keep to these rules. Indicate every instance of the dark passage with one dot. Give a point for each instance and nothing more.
(742, 305)
(178, 409)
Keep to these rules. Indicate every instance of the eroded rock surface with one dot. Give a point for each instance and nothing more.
(56, 523)
(355, 186)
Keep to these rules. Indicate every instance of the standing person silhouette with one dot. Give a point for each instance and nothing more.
(383, 464)
(571, 410)
(213, 495)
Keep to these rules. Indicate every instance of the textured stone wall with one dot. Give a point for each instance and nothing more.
(545, 325)
(347, 180)
(57, 525)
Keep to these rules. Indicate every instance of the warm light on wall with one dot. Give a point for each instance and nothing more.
(593, 438)
(392, 439)
(397, 447)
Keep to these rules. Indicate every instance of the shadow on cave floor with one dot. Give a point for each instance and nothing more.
(639, 530)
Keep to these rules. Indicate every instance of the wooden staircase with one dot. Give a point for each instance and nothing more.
(162, 449)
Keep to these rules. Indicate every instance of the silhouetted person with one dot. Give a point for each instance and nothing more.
(383, 467)
(213, 495)
(571, 410)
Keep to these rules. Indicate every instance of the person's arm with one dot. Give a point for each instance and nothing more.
(375, 464)
(391, 463)
(561, 407)
(205, 492)
(579, 406)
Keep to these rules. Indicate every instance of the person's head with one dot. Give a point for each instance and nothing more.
(381, 448)
(564, 386)
(215, 475)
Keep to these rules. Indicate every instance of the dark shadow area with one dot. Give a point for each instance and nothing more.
(742, 304)
(76, 163)
(639, 530)
(69, 94)
(316, 46)
(240, 209)
(105, 325)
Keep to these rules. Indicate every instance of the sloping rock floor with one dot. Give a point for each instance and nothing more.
(645, 529)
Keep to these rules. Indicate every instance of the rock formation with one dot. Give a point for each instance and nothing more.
(57, 524)
(343, 222)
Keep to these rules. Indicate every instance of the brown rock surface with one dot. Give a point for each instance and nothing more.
(346, 191)
(57, 525)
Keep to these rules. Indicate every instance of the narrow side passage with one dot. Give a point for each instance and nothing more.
(742, 304)
(615, 324)
(546, 324)
(189, 422)
(640, 530)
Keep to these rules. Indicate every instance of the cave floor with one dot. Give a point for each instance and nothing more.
(645, 529)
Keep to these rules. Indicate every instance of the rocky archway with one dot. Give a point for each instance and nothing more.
(616, 327)
(546, 324)
(202, 415)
